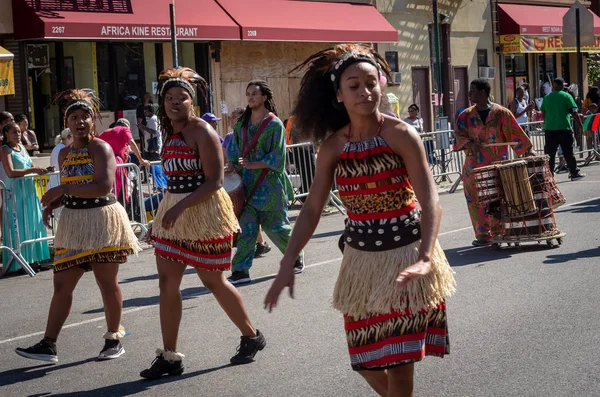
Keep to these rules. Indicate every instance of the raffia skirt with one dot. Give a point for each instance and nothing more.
(387, 326)
(202, 236)
(93, 235)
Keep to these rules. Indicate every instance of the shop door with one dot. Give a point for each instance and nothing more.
(461, 88)
(422, 94)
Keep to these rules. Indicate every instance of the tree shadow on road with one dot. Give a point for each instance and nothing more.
(564, 258)
(139, 385)
(186, 294)
(469, 255)
(26, 374)
(582, 208)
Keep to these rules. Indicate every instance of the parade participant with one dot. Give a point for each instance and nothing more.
(482, 124)
(93, 232)
(195, 222)
(258, 147)
(557, 109)
(394, 277)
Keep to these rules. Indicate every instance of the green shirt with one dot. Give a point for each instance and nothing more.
(557, 107)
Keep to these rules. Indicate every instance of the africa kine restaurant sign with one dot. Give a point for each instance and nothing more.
(120, 31)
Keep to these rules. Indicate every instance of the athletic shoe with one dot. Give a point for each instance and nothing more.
(239, 277)
(481, 243)
(249, 346)
(161, 367)
(299, 266)
(579, 175)
(261, 249)
(41, 351)
(112, 349)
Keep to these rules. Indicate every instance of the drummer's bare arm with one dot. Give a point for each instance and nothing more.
(404, 140)
(207, 144)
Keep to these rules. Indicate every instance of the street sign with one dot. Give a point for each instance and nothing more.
(586, 25)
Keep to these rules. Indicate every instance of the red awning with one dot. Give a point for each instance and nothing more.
(285, 20)
(534, 20)
(136, 19)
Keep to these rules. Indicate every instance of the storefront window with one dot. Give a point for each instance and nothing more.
(516, 74)
(546, 72)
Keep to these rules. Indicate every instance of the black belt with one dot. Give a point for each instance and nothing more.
(79, 203)
(373, 236)
(184, 184)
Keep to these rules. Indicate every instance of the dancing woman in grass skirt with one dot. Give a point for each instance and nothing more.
(394, 276)
(93, 233)
(195, 222)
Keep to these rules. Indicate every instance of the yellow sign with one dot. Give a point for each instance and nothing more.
(41, 184)
(7, 73)
(515, 44)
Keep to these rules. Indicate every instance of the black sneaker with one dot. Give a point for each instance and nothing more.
(480, 243)
(239, 277)
(261, 249)
(161, 367)
(41, 351)
(577, 176)
(249, 346)
(112, 349)
(299, 266)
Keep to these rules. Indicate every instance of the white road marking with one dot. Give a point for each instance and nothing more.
(137, 309)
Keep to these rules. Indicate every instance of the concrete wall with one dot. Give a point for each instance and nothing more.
(6, 17)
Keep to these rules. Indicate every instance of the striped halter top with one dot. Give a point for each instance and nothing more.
(380, 201)
(182, 165)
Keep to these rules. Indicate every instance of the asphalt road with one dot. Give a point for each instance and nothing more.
(523, 322)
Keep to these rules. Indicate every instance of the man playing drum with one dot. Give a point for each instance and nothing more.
(479, 131)
(258, 148)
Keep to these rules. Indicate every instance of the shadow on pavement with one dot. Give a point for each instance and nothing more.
(26, 374)
(582, 208)
(563, 258)
(328, 234)
(138, 385)
(187, 293)
(151, 277)
(469, 255)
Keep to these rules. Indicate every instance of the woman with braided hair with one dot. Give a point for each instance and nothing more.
(195, 222)
(394, 277)
(258, 150)
(93, 233)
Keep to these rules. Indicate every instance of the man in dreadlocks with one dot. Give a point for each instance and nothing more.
(258, 151)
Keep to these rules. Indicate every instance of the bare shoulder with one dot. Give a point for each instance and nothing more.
(98, 147)
(334, 144)
(396, 131)
(198, 132)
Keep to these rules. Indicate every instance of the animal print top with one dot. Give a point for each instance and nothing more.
(182, 165)
(380, 201)
(78, 169)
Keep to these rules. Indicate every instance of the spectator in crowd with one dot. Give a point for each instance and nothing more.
(519, 106)
(593, 96)
(120, 140)
(557, 108)
(28, 136)
(64, 139)
(152, 143)
(17, 163)
(417, 121)
(213, 121)
(5, 118)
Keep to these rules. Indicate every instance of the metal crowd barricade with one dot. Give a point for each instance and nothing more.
(131, 195)
(152, 190)
(10, 244)
(301, 166)
(443, 160)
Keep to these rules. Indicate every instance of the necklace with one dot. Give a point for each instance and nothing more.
(378, 128)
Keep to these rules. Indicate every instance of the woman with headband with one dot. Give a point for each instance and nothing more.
(394, 277)
(195, 222)
(93, 233)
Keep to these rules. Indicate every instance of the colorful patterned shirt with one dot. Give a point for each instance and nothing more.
(276, 190)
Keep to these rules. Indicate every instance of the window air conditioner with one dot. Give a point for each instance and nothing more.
(487, 72)
(396, 77)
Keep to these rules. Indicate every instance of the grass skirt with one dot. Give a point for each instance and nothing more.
(94, 235)
(386, 325)
(202, 236)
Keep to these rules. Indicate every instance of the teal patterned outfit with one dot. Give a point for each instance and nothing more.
(28, 213)
(268, 206)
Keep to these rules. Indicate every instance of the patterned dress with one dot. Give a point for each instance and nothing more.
(203, 235)
(26, 213)
(500, 126)
(386, 325)
(90, 230)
